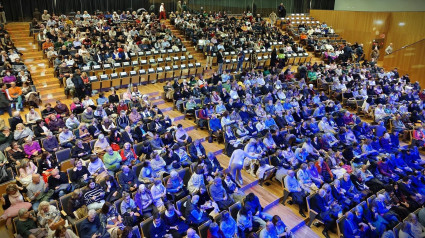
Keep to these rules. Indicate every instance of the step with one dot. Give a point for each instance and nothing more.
(267, 200)
(48, 77)
(174, 115)
(158, 102)
(165, 107)
(50, 86)
(305, 231)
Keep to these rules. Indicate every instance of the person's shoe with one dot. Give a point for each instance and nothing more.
(325, 233)
(235, 72)
(302, 214)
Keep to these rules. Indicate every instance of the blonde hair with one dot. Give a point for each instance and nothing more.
(20, 125)
(42, 206)
(11, 188)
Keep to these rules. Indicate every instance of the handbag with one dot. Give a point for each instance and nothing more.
(55, 225)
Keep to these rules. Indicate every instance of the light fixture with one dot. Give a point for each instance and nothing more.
(379, 22)
(401, 23)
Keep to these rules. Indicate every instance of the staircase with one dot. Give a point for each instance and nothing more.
(42, 75)
(189, 46)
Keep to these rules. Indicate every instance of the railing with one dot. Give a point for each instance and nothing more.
(409, 60)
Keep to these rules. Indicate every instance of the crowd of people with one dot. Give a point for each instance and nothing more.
(130, 157)
(16, 81)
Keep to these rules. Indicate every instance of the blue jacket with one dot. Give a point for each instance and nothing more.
(215, 124)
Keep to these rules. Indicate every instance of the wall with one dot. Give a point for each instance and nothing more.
(380, 5)
(399, 28)
(409, 60)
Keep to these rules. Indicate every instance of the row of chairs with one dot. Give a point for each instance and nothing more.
(135, 64)
(151, 75)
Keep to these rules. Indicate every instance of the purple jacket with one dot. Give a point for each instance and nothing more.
(29, 149)
(9, 79)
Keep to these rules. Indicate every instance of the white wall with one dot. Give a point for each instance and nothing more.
(380, 5)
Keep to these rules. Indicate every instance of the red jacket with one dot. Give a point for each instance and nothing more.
(202, 114)
(124, 157)
(324, 166)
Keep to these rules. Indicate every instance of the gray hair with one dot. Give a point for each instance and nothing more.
(91, 212)
(22, 211)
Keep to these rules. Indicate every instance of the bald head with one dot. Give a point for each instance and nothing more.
(35, 178)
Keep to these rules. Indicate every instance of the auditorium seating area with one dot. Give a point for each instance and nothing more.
(207, 125)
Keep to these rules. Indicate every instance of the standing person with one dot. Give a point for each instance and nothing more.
(236, 164)
(162, 12)
(2, 14)
(241, 58)
(79, 86)
(4, 101)
(359, 52)
(179, 7)
(220, 61)
(209, 52)
(281, 10)
(273, 18)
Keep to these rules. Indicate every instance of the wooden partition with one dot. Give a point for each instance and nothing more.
(399, 28)
(409, 60)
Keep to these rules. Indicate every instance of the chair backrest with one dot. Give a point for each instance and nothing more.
(181, 204)
(117, 177)
(218, 218)
(137, 168)
(339, 226)
(234, 209)
(185, 174)
(203, 229)
(146, 224)
(92, 142)
(396, 229)
(64, 203)
(137, 148)
(370, 199)
(63, 155)
(70, 172)
(309, 200)
(136, 232)
(78, 226)
(117, 205)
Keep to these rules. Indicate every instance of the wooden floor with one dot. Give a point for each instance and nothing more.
(50, 91)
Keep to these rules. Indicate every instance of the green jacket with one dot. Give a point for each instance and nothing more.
(112, 162)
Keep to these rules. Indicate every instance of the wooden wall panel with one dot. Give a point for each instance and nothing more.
(364, 27)
(406, 28)
(409, 60)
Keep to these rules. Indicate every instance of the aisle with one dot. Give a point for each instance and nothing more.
(42, 75)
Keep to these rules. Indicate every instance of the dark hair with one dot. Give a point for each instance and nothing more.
(250, 197)
(275, 219)
(93, 158)
(44, 155)
(105, 208)
(92, 180)
(156, 216)
(127, 230)
(244, 211)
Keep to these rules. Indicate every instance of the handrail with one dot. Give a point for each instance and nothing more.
(403, 47)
